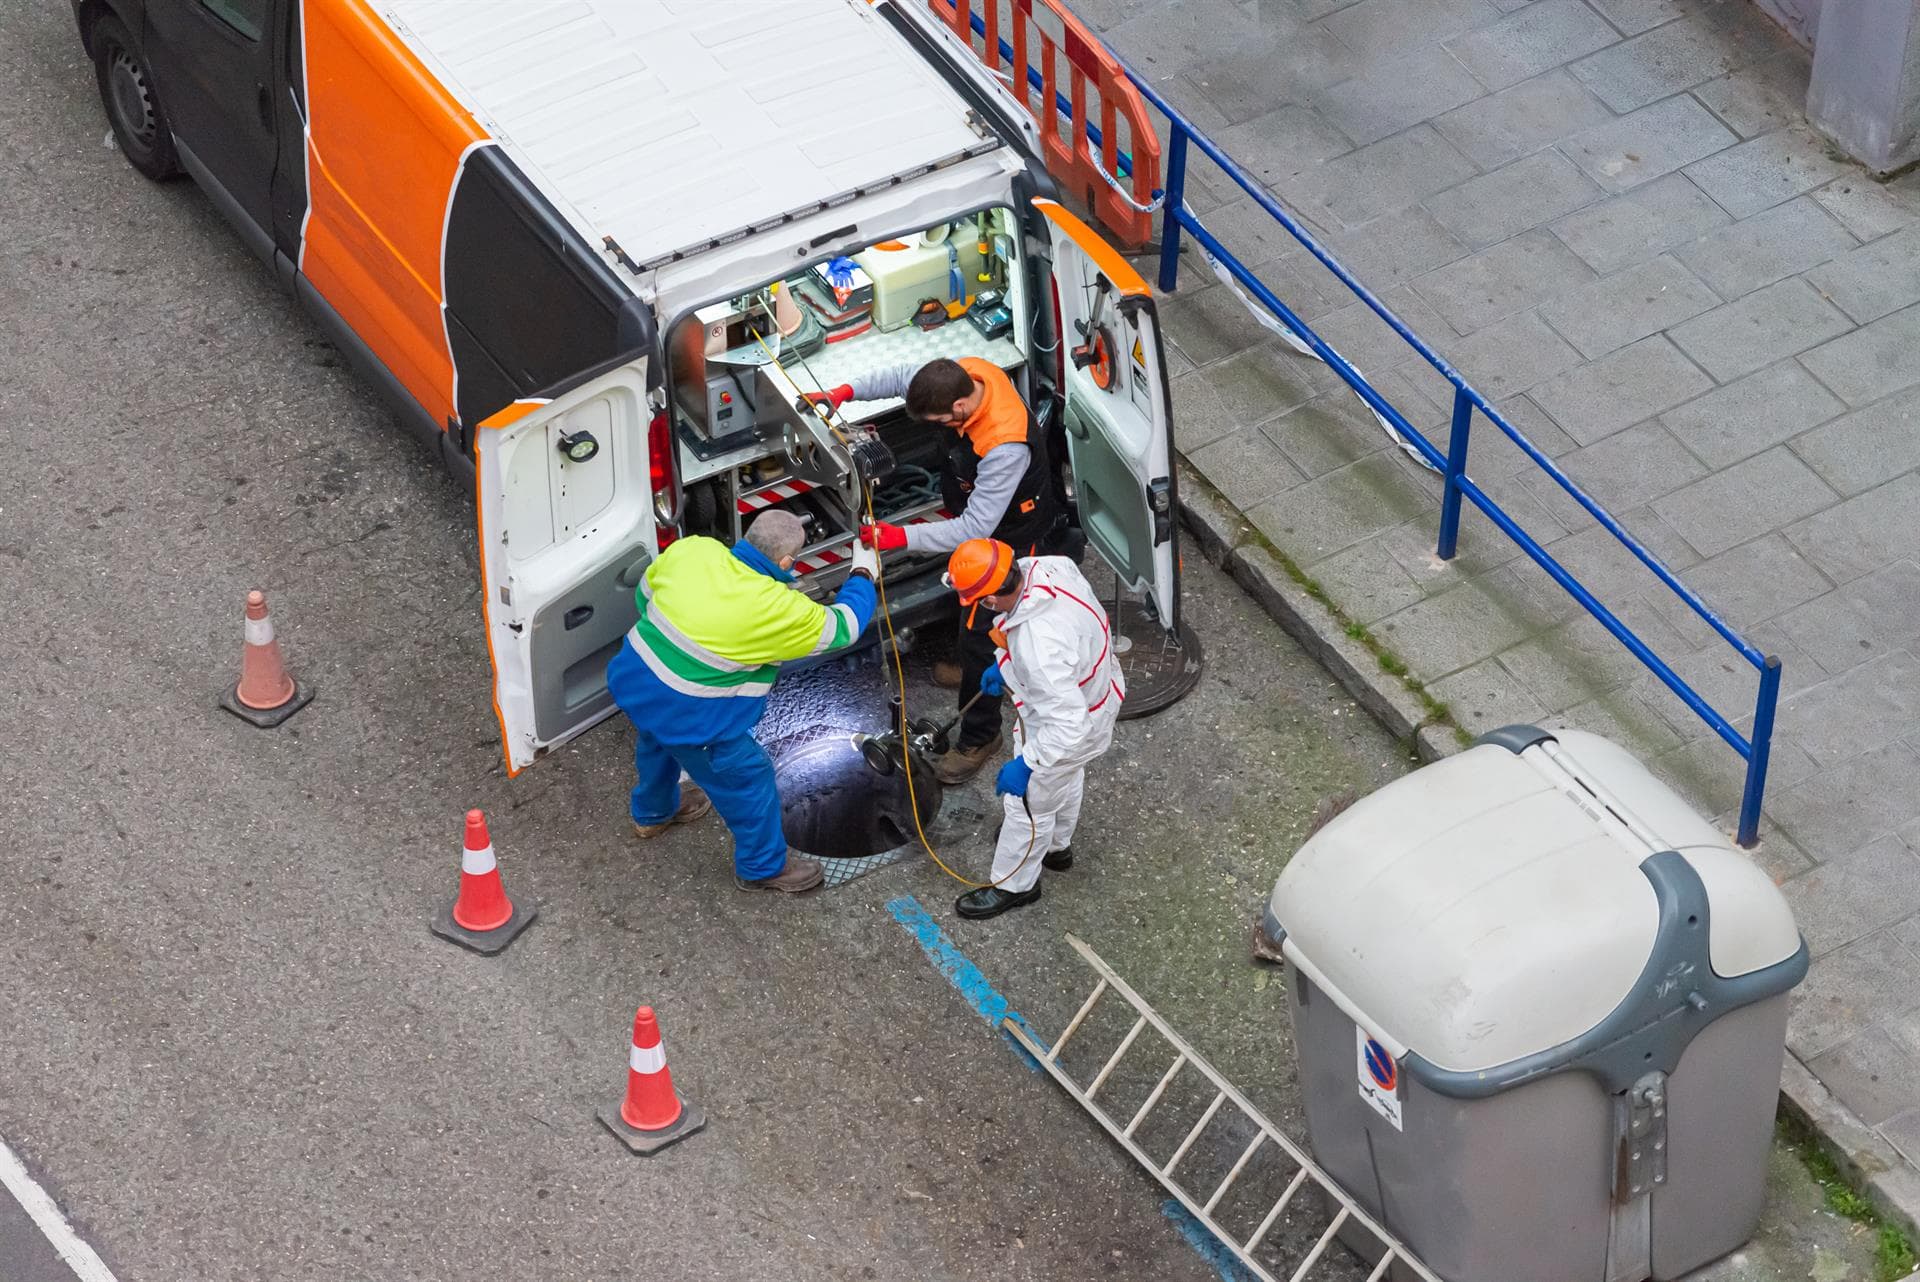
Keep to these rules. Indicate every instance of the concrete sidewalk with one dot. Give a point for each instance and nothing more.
(1611, 216)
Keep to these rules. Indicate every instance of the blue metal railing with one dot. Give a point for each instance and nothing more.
(1453, 464)
(1176, 218)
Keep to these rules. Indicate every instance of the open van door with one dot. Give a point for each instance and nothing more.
(1118, 416)
(566, 529)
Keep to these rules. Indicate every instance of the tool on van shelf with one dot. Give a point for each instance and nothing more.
(990, 314)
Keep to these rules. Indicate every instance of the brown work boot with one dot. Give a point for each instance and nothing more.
(801, 874)
(962, 764)
(946, 674)
(694, 804)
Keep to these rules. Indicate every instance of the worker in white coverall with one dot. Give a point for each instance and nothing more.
(1054, 656)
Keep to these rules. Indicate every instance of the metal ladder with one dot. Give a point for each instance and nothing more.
(1265, 1133)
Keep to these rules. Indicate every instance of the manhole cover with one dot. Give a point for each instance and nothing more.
(1160, 667)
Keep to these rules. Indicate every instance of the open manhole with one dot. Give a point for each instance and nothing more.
(846, 814)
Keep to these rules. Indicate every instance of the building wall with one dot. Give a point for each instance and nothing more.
(1801, 18)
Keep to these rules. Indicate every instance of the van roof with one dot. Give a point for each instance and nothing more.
(668, 124)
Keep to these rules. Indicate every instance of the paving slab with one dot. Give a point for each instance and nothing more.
(1280, 145)
(1628, 306)
(1872, 1074)
(1662, 62)
(1767, 170)
(1858, 451)
(1863, 533)
(1756, 413)
(1874, 614)
(1754, 582)
(1849, 992)
(1769, 246)
(1875, 280)
(1533, 190)
(1626, 387)
(1395, 248)
(1507, 278)
(1872, 362)
(1246, 467)
(1485, 696)
(1767, 325)
(1390, 96)
(1649, 220)
(1537, 38)
(1761, 98)
(1868, 209)
(1634, 16)
(1336, 428)
(1381, 29)
(1843, 807)
(1647, 143)
(1241, 85)
(1331, 513)
(1383, 178)
(1372, 346)
(1745, 500)
(1518, 121)
(1509, 356)
(1865, 708)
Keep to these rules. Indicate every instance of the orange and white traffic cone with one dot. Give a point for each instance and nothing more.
(653, 1114)
(482, 917)
(266, 694)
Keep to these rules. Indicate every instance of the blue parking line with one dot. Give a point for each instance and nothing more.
(1202, 1240)
(990, 1004)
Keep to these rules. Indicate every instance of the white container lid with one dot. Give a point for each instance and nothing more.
(1492, 906)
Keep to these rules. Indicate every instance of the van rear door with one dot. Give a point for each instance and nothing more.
(567, 527)
(1118, 415)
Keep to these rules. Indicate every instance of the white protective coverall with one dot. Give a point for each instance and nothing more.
(1066, 689)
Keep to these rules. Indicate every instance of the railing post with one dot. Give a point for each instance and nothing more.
(1762, 748)
(1170, 218)
(1456, 468)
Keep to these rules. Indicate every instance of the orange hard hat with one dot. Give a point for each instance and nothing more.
(979, 568)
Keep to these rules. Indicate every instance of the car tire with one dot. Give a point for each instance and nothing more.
(139, 122)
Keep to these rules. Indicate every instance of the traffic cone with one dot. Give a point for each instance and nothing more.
(482, 918)
(653, 1114)
(265, 694)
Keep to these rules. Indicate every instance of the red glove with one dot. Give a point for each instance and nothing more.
(883, 537)
(833, 396)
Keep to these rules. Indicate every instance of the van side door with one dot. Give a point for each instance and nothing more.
(217, 66)
(1118, 413)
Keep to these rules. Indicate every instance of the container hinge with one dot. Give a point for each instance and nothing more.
(1642, 1164)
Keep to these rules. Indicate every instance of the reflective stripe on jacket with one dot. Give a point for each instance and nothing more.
(716, 622)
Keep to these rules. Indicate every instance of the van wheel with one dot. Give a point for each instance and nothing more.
(139, 122)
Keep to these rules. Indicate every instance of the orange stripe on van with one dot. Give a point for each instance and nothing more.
(508, 415)
(384, 143)
(1104, 256)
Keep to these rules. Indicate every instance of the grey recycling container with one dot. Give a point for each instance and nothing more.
(1539, 1007)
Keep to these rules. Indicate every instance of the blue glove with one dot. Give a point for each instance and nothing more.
(1013, 778)
(992, 683)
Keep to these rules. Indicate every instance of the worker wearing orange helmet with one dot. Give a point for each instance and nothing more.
(1054, 656)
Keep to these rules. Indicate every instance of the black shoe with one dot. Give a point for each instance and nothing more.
(1058, 860)
(991, 901)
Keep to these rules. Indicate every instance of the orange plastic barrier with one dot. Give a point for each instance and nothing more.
(1069, 149)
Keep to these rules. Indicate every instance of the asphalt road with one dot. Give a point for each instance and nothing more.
(234, 1051)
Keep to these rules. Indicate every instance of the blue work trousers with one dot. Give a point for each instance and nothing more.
(736, 773)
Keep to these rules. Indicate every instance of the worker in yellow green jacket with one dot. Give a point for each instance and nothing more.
(715, 625)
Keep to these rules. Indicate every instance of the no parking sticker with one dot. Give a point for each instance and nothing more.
(1379, 1077)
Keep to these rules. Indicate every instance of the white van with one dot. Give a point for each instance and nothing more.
(598, 250)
